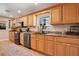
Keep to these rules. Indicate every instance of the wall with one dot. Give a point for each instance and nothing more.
(4, 33)
(52, 28)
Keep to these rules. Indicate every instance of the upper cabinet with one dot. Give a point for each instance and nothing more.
(65, 14)
(77, 13)
(30, 20)
(34, 20)
(56, 15)
(25, 20)
(69, 13)
(14, 21)
(20, 19)
(60, 14)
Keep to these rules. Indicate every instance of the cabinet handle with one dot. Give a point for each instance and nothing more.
(68, 44)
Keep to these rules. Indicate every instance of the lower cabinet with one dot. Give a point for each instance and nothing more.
(37, 42)
(49, 45)
(22, 39)
(60, 49)
(40, 45)
(11, 36)
(73, 50)
(66, 49)
(53, 46)
(33, 42)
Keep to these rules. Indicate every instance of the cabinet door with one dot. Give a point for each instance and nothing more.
(10, 36)
(33, 42)
(72, 50)
(34, 20)
(40, 43)
(77, 13)
(21, 19)
(60, 49)
(25, 20)
(22, 39)
(69, 13)
(14, 21)
(56, 15)
(49, 45)
(65, 49)
(30, 20)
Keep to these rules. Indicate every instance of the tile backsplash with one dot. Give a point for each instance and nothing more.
(58, 28)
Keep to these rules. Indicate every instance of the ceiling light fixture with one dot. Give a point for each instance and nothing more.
(19, 11)
(11, 15)
(35, 3)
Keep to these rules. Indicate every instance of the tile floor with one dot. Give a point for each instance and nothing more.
(8, 48)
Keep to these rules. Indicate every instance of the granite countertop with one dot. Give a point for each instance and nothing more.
(58, 35)
(63, 35)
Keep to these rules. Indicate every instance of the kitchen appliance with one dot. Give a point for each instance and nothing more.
(73, 30)
(27, 39)
(17, 38)
(19, 24)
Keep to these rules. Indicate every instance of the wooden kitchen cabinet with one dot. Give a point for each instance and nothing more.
(60, 49)
(37, 42)
(65, 14)
(69, 13)
(66, 46)
(33, 42)
(14, 21)
(34, 20)
(71, 50)
(25, 20)
(54, 45)
(21, 19)
(57, 15)
(30, 20)
(11, 36)
(40, 43)
(60, 14)
(49, 45)
(77, 20)
(65, 49)
(22, 38)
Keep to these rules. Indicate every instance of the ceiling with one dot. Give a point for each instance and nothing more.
(11, 9)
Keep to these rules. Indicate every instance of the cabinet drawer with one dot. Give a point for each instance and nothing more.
(68, 40)
(50, 38)
(40, 37)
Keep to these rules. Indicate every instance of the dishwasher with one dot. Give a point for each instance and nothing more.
(17, 38)
(27, 39)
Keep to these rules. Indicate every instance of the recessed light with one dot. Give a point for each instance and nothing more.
(19, 11)
(35, 3)
(11, 15)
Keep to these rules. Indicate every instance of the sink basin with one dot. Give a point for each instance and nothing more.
(37, 33)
